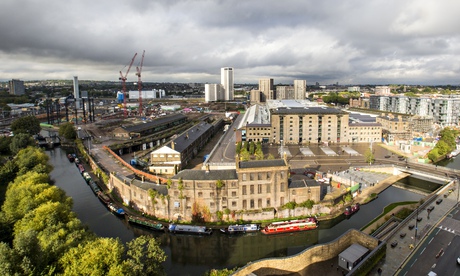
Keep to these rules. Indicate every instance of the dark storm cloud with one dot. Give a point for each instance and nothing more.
(326, 41)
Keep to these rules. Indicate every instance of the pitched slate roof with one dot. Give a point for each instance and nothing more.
(159, 121)
(206, 175)
(262, 163)
(188, 137)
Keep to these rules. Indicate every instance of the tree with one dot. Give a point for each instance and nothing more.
(369, 156)
(21, 141)
(32, 159)
(68, 131)
(101, 256)
(5, 145)
(244, 154)
(144, 257)
(26, 124)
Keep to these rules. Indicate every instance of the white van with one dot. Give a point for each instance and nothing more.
(431, 273)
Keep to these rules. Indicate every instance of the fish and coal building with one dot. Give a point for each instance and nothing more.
(253, 191)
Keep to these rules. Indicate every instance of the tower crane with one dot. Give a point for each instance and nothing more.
(139, 82)
(123, 79)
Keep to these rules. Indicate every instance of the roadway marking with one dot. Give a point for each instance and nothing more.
(431, 240)
(423, 251)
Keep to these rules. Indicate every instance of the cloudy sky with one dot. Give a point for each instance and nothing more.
(327, 41)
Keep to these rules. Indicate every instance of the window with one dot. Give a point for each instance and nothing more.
(268, 188)
(268, 202)
(200, 194)
(294, 192)
(282, 187)
(244, 177)
(211, 204)
(245, 205)
(252, 203)
(211, 194)
(233, 203)
(259, 203)
(233, 193)
(244, 190)
(259, 188)
(251, 189)
(282, 201)
(268, 175)
(251, 176)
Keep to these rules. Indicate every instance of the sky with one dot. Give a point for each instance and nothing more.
(327, 41)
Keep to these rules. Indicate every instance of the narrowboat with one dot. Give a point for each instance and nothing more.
(87, 177)
(94, 186)
(350, 210)
(103, 197)
(114, 209)
(189, 229)
(70, 157)
(81, 168)
(240, 228)
(291, 226)
(146, 223)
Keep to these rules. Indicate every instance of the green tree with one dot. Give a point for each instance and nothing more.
(144, 257)
(68, 131)
(369, 156)
(244, 154)
(32, 159)
(8, 172)
(5, 145)
(26, 124)
(259, 154)
(21, 141)
(100, 256)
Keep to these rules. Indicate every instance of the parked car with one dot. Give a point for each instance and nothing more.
(431, 208)
(439, 201)
(419, 219)
(394, 244)
(411, 227)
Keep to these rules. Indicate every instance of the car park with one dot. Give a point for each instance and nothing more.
(439, 201)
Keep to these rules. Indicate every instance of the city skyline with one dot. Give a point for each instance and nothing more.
(359, 42)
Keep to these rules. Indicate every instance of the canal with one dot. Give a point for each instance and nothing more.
(192, 255)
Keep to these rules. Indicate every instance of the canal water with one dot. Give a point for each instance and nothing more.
(193, 255)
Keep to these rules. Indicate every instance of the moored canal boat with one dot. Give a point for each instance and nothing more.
(350, 210)
(94, 186)
(189, 229)
(240, 228)
(103, 197)
(70, 157)
(291, 226)
(114, 209)
(146, 223)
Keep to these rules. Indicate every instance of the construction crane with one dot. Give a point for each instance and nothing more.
(123, 79)
(139, 82)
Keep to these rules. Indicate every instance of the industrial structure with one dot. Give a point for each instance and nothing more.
(123, 79)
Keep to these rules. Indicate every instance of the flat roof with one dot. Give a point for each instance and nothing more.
(353, 253)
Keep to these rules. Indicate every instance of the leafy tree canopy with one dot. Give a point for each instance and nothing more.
(68, 131)
(26, 124)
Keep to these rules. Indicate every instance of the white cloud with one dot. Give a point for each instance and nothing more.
(188, 41)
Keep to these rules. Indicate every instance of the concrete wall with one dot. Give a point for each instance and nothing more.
(289, 265)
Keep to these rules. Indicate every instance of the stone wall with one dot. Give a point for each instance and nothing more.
(319, 253)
